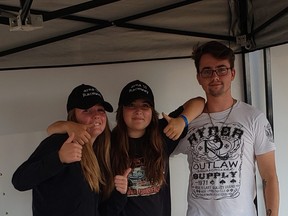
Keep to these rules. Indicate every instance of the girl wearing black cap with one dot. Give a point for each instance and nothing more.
(140, 147)
(66, 177)
(138, 142)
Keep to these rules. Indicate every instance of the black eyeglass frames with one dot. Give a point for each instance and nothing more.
(208, 72)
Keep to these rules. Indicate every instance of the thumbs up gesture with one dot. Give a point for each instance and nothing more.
(70, 151)
(121, 181)
(174, 128)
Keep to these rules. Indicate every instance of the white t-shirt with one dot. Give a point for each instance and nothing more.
(221, 160)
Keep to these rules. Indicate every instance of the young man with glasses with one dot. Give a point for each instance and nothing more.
(224, 144)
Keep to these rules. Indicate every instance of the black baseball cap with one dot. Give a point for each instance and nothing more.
(86, 96)
(136, 90)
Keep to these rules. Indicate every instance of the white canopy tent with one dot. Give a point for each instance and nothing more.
(81, 32)
(53, 33)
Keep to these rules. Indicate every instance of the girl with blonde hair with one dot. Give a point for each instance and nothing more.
(68, 177)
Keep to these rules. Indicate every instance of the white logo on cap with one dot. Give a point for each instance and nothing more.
(139, 87)
(90, 92)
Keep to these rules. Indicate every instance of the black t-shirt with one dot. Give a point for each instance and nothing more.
(58, 189)
(144, 198)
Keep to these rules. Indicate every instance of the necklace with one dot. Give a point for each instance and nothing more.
(210, 118)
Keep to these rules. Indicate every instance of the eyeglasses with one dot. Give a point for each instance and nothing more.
(207, 72)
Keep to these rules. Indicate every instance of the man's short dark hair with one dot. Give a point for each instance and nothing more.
(214, 48)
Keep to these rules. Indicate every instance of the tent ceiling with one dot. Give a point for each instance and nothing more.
(79, 32)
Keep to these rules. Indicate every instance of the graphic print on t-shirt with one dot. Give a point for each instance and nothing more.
(138, 183)
(217, 152)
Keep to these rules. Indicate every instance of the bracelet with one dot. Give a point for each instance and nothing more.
(185, 119)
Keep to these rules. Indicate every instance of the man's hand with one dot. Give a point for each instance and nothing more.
(174, 128)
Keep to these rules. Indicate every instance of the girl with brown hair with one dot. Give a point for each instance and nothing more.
(142, 142)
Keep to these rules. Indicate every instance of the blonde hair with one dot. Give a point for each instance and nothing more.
(90, 167)
(95, 161)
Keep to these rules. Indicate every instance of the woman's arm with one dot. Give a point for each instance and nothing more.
(80, 130)
(43, 164)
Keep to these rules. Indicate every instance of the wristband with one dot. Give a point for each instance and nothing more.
(185, 119)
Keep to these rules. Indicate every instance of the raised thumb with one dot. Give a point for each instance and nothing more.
(70, 138)
(165, 116)
(126, 173)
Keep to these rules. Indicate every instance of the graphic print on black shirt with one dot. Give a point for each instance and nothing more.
(138, 184)
(217, 161)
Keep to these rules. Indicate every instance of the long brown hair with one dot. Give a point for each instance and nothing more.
(154, 154)
(95, 161)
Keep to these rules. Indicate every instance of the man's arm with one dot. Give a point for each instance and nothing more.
(192, 108)
(267, 169)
